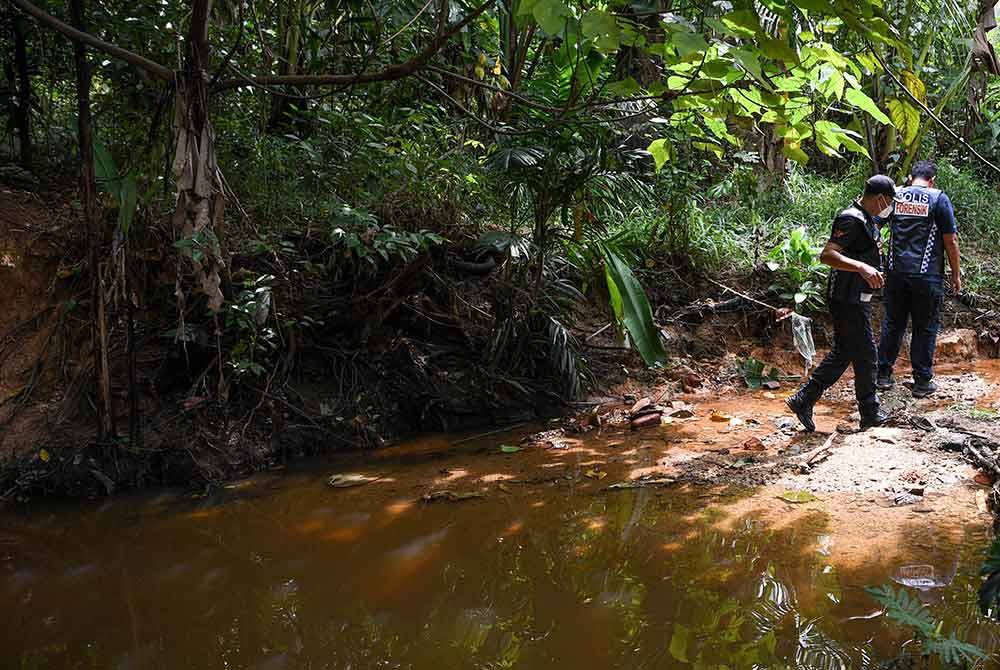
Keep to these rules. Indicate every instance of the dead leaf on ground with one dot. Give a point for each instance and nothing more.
(595, 474)
(343, 481)
(643, 482)
(798, 497)
(503, 487)
(753, 443)
(983, 479)
(451, 496)
(720, 416)
(640, 405)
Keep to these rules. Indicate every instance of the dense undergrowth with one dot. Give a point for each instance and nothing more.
(428, 242)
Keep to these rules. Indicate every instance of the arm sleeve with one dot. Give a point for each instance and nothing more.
(945, 216)
(845, 231)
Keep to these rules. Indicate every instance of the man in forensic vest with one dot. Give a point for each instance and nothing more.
(853, 255)
(923, 231)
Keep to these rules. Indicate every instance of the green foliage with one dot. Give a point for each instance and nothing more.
(120, 186)
(362, 239)
(631, 309)
(912, 614)
(755, 374)
(800, 272)
(249, 316)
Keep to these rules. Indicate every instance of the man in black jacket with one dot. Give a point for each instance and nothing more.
(853, 254)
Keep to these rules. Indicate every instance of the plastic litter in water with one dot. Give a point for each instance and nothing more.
(919, 577)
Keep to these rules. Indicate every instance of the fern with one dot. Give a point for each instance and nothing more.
(563, 358)
(901, 608)
(909, 612)
(953, 651)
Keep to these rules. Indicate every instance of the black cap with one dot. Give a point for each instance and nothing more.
(880, 185)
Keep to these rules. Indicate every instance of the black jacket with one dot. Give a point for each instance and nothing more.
(855, 231)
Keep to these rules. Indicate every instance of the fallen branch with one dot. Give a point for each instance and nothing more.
(813, 456)
(982, 461)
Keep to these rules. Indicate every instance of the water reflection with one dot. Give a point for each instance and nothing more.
(302, 577)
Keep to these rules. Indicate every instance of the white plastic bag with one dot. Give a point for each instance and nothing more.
(803, 336)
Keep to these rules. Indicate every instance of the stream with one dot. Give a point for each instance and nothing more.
(547, 566)
(285, 572)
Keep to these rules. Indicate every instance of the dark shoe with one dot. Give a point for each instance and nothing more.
(873, 420)
(802, 408)
(924, 389)
(884, 383)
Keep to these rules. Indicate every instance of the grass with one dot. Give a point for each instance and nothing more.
(976, 413)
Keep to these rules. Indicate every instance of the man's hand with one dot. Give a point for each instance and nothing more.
(874, 278)
(956, 281)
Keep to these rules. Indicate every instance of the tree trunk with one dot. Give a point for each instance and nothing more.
(23, 113)
(88, 191)
(773, 160)
(290, 28)
(200, 207)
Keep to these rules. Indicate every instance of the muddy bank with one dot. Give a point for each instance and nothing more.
(379, 359)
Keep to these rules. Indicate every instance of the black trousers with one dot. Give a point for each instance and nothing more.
(914, 298)
(853, 345)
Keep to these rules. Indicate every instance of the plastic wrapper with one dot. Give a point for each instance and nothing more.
(803, 337)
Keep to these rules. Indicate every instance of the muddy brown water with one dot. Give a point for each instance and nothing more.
(548, 569)
(281, 571)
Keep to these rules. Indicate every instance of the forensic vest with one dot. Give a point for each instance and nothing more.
(861, 245)
(917, 245)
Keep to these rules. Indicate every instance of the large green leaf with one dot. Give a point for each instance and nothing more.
(830, 137)
(551, 15)
(905, 117)
(742, 23)
(661, 150)
(914, 85)
(858, 98)
(688, 43)
(635, 310)
(105, 168)
(126, 203)
(794, 151)
(615, 295)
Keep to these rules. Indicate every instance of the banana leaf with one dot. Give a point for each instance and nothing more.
(632, 307)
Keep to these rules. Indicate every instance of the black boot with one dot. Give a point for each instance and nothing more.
(801, 405)
(885, 382)
(922, 389)
(873, 419)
